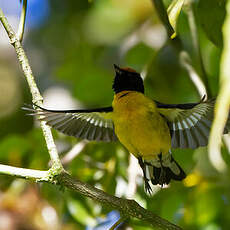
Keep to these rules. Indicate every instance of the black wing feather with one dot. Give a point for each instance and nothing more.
(90, 124)
(190, 123)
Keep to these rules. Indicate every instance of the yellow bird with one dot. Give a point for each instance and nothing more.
(147, 128)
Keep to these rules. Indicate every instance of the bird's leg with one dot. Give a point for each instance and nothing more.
(162, 174)
(147, 186)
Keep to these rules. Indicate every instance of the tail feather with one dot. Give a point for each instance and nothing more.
(162, 174)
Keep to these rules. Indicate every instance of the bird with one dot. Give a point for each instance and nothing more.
(148, 129)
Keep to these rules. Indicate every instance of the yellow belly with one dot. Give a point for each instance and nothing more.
(139, 126)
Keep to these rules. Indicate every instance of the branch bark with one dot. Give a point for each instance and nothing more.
(24, 173)
(56, 174)
(127, 208)
(36, 96)
(21, 26)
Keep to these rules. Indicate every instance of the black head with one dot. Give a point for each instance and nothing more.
(127, 79)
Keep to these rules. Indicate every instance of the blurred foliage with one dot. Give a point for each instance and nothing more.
(212, 25)
(75, 48)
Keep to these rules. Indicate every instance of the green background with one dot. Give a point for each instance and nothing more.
(75, 50)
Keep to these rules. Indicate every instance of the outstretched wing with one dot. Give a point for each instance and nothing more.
(190, 123)
(95, 124)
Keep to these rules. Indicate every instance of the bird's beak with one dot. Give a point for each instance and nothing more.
(117, 69)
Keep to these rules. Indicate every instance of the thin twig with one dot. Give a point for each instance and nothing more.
(21, 26)
(23, 172)
(37, 98)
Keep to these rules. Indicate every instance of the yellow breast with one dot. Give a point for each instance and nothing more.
(139, 126)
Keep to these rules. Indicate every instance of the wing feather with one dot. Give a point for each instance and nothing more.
(93, 124)
(192, 142)
(189, 124)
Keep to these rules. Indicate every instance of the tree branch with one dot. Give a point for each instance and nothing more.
(127, 208)
(21, 26)
(56, 174)
(37, 98)
(23, 172)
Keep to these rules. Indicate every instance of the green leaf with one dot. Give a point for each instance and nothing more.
(80, 213)
(174, 10)
(211, 15)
